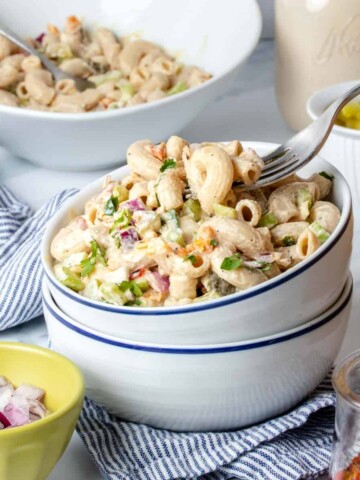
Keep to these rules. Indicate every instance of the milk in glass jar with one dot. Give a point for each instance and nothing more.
(317, 44)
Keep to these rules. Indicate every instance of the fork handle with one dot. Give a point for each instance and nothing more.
(13, 37)
(337, 106)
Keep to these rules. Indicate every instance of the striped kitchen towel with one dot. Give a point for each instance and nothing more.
(21, 231)
(296, 445)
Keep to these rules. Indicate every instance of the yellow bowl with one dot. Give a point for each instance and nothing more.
(30, 452)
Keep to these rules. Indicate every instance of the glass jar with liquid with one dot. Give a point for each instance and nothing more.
(317, 44)
(345, 460)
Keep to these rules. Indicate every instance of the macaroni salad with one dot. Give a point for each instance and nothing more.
(181, 228)
(125, 72)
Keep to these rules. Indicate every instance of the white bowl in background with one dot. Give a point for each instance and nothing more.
(214, 387)
(342, 148)
(281, 303)
(199, 32)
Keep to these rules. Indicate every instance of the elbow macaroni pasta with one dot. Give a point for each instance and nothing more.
(178, 230)
(125, 73)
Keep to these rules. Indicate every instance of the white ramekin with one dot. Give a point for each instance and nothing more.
(342, 148)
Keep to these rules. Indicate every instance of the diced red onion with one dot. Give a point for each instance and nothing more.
(4, 420)
(40, 38)
(16, 416)
(158, 282)
(128, 238)
(133, 205)
(82, 223)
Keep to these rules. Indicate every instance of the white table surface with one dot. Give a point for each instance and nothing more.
(249, 112)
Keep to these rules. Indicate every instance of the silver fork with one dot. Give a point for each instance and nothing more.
(303, 146)
(56, 72)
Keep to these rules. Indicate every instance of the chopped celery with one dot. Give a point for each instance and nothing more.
(304, 201)
(106, 77)
(72, 280)
(178, 88)
(111, 293)
(142, 283)
(223, 211)
(319, 231)
(173, 231)
(121, 193)
(267, 220)
(211, 295)
(92, 289)
(63, 52)
(127, 92)
(192, 207)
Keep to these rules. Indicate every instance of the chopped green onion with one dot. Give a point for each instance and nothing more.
(288, 241)
(265, 266)
(97, 255)
(111, 205)
(168, 163)
(123, 221)
(223, 211)
(178, 88)
(267, 220)
(72, 280)
(132, 286)
(192, 207)
(191, 258)
(213, 242)
(327, 175)
(319, 231)
(232, 263)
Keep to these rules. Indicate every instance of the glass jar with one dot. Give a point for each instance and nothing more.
(345, 460)
(317, 44)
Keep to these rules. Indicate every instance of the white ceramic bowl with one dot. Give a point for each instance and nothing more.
(279, 304)
(216, 387)
(192, 30)
(342, 148)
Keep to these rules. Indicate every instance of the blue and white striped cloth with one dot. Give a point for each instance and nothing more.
(294, 446)
(21, 232)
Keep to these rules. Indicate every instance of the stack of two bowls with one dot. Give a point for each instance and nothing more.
(216, 365)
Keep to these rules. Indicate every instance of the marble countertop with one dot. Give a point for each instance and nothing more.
(249, 112)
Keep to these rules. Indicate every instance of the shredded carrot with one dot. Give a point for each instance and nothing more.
(72, 23)
(53, 29)
(159, 151)
(106, 102)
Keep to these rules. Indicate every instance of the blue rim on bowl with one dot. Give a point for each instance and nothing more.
(318, 322)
